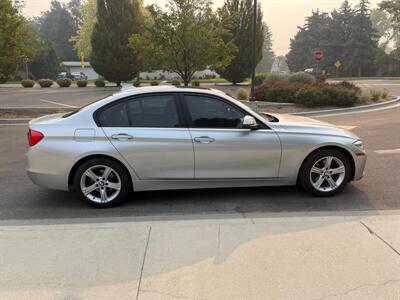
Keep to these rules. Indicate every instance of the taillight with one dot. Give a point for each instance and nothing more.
(34, 137)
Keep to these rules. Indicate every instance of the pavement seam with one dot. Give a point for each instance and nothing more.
(379, 237)
(144, 260)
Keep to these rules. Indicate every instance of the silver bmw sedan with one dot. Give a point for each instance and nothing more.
(159, 138)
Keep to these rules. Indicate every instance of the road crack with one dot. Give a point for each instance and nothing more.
(359, 287)
(381, 238)
(144, 259)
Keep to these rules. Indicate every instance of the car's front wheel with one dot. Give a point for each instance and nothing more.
(325, 172)
(101, 182)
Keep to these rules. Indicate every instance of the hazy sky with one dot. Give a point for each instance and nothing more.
(283, 16)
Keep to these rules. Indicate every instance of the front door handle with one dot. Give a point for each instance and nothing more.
(204, 139)
(122, 137)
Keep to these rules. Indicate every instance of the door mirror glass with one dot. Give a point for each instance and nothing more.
(249, 122)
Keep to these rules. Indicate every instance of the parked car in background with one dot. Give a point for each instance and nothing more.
(79, 76)
(63, 75)
(156, 138)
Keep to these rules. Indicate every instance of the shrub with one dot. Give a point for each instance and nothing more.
(64, 82)
(176, 82)
(279, 91)
(302, 78)
(385, 94)
(154, 82)
(136, 83)
(310, 95)
(326, 96)
(81, 83)
(260, 78)
(45, 83)
(347, 85)
(196, 83)
(242, 94)
(27, 83)
(375, 95)
(100, 83)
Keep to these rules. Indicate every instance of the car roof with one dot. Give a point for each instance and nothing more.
(131, 90)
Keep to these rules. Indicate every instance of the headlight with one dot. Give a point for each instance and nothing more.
(359, 144)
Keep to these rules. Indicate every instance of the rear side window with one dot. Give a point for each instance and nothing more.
(153, 111)
(114, 116)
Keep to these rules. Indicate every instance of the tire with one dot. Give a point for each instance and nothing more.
(101, 190)
(315, 178)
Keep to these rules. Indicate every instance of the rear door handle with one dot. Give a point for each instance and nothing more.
(122, 137)
(204, 139)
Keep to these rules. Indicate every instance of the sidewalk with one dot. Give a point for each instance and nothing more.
(257, 257)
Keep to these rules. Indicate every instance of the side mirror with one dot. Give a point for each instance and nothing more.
(250, 123)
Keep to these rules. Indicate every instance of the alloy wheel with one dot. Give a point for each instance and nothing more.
(327, 174)
(100, 184)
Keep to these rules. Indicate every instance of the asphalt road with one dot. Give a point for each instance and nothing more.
(52, 97)
(76, 97)
(379, 190)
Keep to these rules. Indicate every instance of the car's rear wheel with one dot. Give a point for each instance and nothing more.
(325, 172)
(102, 182)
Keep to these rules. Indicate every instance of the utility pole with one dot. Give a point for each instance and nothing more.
(253, 58)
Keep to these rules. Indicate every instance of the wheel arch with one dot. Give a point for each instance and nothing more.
(335, 147)
(92, 156)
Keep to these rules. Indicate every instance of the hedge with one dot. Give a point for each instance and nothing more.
(100, 83)
(27, 83)
(64, 82)
(45, 83)
(81, 83)
(310, 95)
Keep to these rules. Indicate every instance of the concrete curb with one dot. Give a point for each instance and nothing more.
(348, 110)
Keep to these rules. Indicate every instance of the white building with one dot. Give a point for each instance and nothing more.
(75, 66)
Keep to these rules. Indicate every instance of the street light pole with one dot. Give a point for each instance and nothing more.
(253, 54)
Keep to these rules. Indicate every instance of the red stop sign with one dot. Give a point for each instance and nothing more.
(318, 55)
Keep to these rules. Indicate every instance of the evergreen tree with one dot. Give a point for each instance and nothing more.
(268, 55)
(337, 35)
(237, 17)
(361, 48)
(310, 38)
(46, 63)
(57, 26)
(111, 56)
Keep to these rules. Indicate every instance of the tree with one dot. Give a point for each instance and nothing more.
(116, 22)
(310, 38)
(382, 25)
(362, 46)
(268, 55)
(392, 7)
(57, 26)
(82, 40)
(73, 7)
(237, 18)
(14, 33)
(184, 39)
(46, 63)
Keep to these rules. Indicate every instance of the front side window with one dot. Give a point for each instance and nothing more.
(207, 112)
(153, 111)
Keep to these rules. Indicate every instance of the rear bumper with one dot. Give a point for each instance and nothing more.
(51, 181)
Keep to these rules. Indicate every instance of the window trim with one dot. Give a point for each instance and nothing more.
(124, 100)
(189, 120)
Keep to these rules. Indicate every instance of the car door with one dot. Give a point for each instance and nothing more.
(222, 148)
(148, 132)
